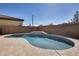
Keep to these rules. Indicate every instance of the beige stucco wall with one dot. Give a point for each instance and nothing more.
(10, 22)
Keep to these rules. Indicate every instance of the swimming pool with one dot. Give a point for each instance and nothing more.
(46, 41)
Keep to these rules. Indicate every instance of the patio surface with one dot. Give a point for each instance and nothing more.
(21, 47)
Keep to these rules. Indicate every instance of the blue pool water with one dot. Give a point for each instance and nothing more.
(47, 42)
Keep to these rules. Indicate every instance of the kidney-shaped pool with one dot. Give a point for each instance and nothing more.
(45, 41)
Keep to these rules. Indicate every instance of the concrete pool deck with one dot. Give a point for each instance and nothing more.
(21, 47)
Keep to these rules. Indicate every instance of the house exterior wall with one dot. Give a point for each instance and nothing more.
(10, 22)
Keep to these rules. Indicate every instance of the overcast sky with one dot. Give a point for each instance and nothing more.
(43, 13)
